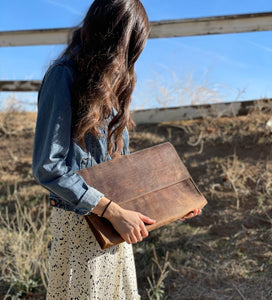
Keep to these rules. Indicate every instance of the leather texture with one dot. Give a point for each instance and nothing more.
(153, 181)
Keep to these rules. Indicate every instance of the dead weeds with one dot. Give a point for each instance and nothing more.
(226, 252)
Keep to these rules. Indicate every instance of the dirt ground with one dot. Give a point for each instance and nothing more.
(226, 253)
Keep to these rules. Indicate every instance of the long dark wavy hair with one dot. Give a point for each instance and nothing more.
(104, 49)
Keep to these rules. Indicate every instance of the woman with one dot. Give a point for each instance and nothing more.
(83, 115)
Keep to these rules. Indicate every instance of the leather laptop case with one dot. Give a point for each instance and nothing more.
(153, 181)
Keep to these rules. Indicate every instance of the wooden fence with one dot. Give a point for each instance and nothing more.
(173, 114)
(162, 29)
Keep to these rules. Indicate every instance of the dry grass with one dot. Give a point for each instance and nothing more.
(24, 240)
(171, 88)
(225, 253)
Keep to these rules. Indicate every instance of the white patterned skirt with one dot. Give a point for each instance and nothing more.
(80, 270)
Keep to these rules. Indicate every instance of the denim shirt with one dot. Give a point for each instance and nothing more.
(56, 157)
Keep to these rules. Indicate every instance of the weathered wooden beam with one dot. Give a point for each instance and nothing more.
(34, 37)
(212, 25)
(19, 85)
(161, 29)
(172, 114)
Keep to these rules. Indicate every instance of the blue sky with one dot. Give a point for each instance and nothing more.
(172, 71)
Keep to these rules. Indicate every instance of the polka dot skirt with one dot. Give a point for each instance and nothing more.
(79, 269)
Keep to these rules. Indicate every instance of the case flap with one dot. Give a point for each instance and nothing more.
(136, 174)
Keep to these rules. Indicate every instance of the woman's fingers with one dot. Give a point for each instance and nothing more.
(133, 238)
(126, 238)
(146, 219)
(139, 232)
(192, 214)
(138, 235)
(144, 231)
(198, 212)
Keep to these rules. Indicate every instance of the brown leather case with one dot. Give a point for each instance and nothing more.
(153, 181)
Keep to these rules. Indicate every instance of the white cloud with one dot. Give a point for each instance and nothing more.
(65, 6)
(213, 54)
(260, 46)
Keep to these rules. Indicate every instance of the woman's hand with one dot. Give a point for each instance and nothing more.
(129, 224)
(192, 214)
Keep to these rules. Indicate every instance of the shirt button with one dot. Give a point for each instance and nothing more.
(53, 202)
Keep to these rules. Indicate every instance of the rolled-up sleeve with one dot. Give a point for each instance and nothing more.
(52, 143)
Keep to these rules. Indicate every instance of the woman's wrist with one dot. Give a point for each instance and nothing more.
(112, 211)
(108, 207)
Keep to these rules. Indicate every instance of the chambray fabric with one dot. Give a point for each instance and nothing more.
(56, 157)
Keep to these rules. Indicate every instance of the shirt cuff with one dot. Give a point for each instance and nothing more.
(88, 201)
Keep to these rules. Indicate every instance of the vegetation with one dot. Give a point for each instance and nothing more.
(226, 253)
